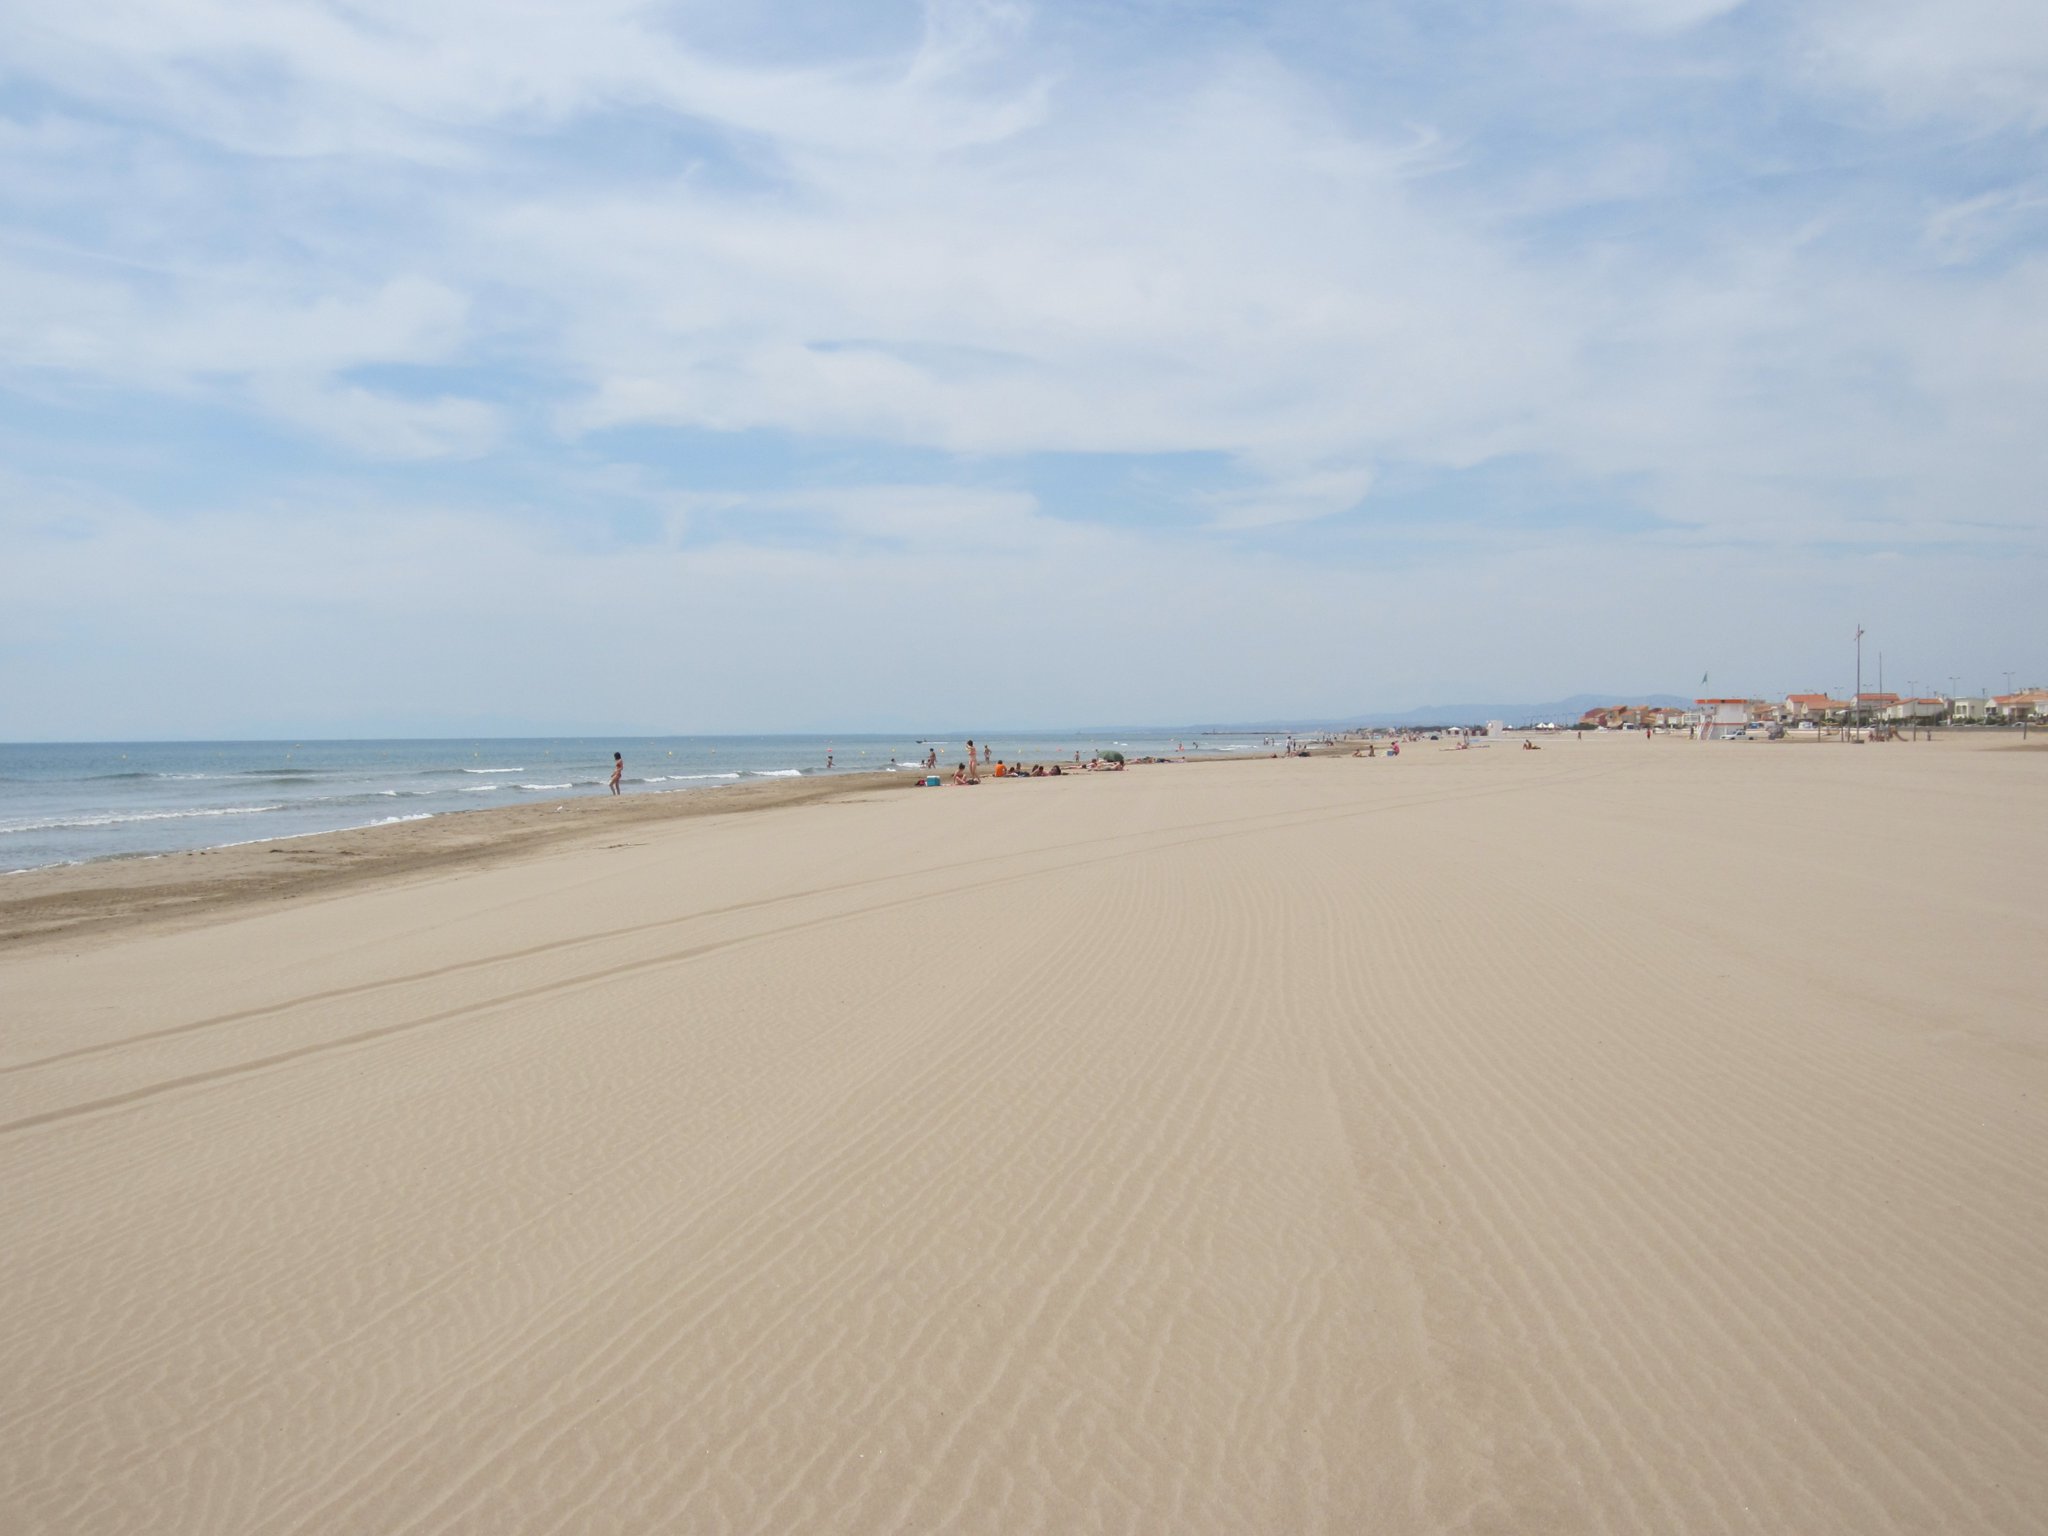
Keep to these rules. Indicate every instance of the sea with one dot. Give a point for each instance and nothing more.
(66, 803)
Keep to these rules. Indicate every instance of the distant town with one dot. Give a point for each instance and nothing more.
(1817, 711)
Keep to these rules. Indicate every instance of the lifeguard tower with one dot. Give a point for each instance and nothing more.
(1723, 719)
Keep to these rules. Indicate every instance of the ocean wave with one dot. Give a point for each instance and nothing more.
(479, 789)
(68, 822)
(246, 775)
(543, 786)
(520, 769)
(775, 773)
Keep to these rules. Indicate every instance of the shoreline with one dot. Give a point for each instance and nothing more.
(110, 896)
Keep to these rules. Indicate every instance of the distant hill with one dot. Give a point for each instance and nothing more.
(1561, 711)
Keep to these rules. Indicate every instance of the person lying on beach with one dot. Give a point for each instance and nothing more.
(1530, 746)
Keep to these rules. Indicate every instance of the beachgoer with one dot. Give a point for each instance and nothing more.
(828, 759)
(618, 771)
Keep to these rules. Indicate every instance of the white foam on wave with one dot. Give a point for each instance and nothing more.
(520, 769)
(775, 773)
(62, 823)
(477, 789)
(544, 786)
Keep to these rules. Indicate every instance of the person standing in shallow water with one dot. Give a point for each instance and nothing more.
(618, 771)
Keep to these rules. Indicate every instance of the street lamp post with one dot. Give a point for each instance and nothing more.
(1856, 704)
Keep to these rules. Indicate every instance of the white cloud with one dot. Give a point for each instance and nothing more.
(1223, 270)
(1656, 15)
(987, 240)
(1982, 61)
(238, 336)
(383, 426)
(1291, 499)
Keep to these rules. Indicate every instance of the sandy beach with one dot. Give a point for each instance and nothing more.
(1631, 1136)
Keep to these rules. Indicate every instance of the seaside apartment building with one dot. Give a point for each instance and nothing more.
(1825, 709)
(1917, 712)
(1633, 717)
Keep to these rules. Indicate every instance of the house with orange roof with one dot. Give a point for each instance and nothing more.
(1813, 706)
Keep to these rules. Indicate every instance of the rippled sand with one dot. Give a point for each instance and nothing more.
(1631, 1136)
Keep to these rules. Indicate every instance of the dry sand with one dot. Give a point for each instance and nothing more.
(1633, 1137)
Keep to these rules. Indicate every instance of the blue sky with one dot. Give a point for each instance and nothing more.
(480, 365)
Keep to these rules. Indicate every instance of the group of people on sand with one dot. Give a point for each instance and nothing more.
(1371, 748)
(983, 760)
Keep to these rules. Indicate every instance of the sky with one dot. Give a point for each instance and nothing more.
(425, 367)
